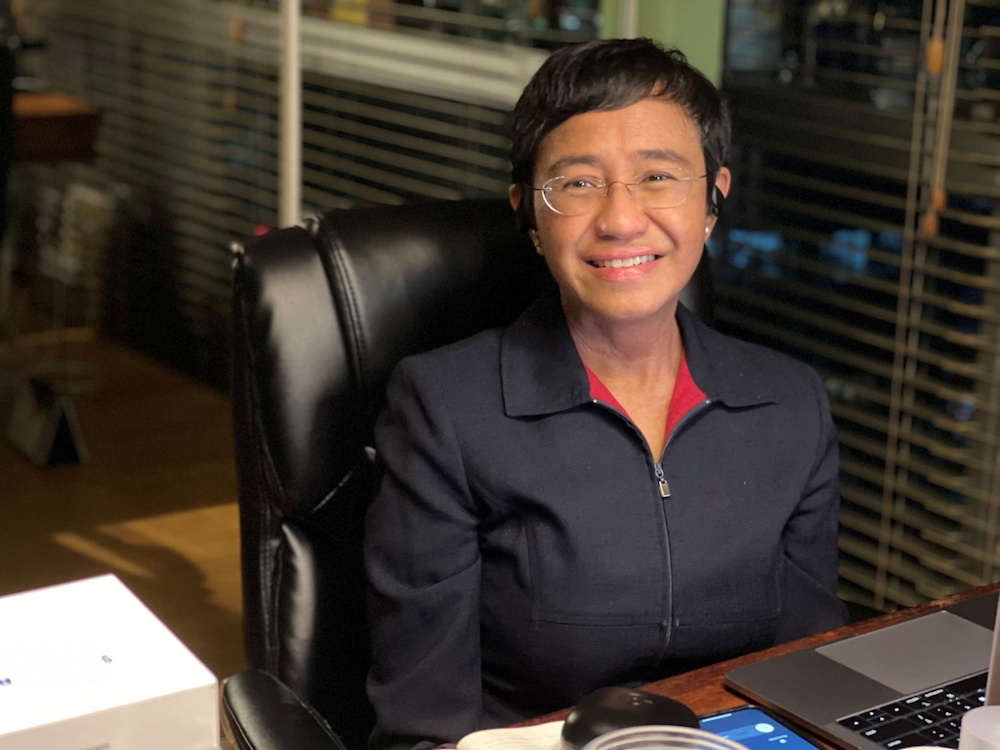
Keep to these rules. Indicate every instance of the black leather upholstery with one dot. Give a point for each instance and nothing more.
(321, 315)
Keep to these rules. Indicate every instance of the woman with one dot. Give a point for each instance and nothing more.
(607, 491)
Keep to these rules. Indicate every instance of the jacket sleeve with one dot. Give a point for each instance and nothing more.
(809, 602)
(423, 565)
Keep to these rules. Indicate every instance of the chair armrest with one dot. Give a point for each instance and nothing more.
(264, 714)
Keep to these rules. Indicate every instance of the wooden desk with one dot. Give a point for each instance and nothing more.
(51, 127)
(703, 689)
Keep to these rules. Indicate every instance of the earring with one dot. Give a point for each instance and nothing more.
(533, 234)
(708, 231)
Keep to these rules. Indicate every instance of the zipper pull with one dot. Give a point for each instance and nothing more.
(661, 480)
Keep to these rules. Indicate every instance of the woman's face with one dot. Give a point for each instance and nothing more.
(660, 247)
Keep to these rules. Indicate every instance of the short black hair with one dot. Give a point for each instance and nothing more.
(612, 74)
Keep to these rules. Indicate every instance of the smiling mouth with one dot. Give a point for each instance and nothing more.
(623, 262)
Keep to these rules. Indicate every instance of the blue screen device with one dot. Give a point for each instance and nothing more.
(756, 729)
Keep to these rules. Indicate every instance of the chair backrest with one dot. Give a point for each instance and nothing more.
(321, 316)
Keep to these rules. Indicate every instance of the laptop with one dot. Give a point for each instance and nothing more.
(901, 686)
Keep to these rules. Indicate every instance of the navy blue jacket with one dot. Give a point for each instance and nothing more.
(520, 554)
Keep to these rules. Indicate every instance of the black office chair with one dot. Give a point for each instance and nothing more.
(321, 315)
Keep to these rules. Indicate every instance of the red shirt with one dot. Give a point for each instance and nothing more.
(686, 395)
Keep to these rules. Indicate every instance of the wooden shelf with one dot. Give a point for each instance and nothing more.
(51, 127)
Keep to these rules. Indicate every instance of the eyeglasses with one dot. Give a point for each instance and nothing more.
(577, 196)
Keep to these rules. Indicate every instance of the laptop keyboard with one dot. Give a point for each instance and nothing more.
(930, 718)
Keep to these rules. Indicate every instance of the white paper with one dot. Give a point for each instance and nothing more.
(89, 662)
(546, 736)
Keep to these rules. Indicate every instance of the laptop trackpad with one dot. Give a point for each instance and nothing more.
(918, 654)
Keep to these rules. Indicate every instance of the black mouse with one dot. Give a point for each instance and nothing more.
(612, 708)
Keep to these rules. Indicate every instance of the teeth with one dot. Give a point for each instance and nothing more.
(624, 262)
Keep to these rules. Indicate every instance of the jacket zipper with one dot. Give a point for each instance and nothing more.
(667, 593)
(663, 486)
(661, 477)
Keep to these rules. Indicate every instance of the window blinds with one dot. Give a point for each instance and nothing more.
(861, 237)
(393, 112)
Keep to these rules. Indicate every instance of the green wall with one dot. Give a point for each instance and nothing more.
(696, 27)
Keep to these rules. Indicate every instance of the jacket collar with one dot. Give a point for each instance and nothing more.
(541, 371)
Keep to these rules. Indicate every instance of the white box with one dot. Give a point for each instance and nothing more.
(86, 666)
